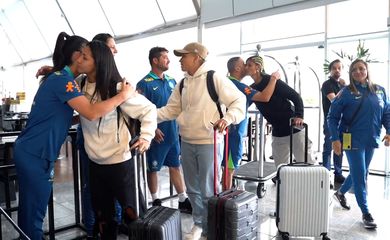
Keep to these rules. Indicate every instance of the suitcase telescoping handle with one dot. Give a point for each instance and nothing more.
(216, 160)
(305, 127)
(139, 158)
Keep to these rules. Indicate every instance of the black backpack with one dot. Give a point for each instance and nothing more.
(210, 88)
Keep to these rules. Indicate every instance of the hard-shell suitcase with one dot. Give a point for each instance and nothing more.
(302, 200)
(158, 223)
(232, 214)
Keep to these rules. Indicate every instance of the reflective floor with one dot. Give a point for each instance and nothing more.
(343, 224)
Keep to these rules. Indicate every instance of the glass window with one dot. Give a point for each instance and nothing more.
(222, 39)
(132, 58)
(22, 32)
(86, 17)
(377, 48)
(128, 18)
(9, 55)
(357, 17)
(170, 10)
(50, 23)
(284, 25)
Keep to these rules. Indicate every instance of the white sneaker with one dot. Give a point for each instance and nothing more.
(194, 234)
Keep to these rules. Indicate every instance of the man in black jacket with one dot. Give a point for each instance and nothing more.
(329, 90)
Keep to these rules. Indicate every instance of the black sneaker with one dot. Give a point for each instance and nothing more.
(157, 202)
(342, 200)
(368, 221)
(185, 207)
(339, 179)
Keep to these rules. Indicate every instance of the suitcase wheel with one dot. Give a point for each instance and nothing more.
(261, 190)
(285, 236)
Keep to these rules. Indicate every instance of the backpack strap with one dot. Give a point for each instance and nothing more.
(212, 92)
(181, 85)
(82, 83)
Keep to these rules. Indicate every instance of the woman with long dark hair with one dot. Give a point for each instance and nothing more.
(107, 139)
(38, 145)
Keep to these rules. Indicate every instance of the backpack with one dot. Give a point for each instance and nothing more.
(210, 88)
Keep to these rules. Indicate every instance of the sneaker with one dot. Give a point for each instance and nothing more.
(368, 221)
(195, 233)
(342, 200)
(157, 202)
(185, 207)
(339, 179)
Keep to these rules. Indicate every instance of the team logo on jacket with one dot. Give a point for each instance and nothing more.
(154, 164)
(70, 87)
(247, 91)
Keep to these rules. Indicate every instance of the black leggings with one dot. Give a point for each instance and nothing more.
(111, 182)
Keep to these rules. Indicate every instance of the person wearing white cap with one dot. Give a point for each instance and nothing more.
(197, 116)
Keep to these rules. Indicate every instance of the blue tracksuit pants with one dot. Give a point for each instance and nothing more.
(359, 162)
(35, 176)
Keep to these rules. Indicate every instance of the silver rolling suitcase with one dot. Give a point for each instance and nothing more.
(302, 204)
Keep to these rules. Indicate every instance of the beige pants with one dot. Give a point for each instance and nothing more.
(281, 149)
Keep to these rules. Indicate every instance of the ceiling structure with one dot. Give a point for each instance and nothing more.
(29, 28)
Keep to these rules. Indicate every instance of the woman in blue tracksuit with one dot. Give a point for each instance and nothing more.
(38, 145)
(358, 112)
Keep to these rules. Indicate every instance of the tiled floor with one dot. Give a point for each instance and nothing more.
(344, 225)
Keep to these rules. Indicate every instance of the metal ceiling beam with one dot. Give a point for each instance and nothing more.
(9, 39)
(197, 7)
(162, 15)
(173, 26)
(35, 23)
(108, 21)
(64, 15)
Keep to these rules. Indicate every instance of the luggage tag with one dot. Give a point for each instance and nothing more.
(347, 141)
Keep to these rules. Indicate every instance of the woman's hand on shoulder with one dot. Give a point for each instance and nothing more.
(126, 90)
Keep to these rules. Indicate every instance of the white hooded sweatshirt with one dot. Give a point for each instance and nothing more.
(195, 111)
(108, 144)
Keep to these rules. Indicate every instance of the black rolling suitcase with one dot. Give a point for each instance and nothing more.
(158, 223)
(232, 214)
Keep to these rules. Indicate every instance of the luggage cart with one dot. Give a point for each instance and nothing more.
(257, 169)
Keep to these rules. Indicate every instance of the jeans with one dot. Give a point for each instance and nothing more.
(198, 169)
(327, 151)
(359, 162)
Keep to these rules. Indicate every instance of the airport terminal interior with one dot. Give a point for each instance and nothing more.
(297, 38)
